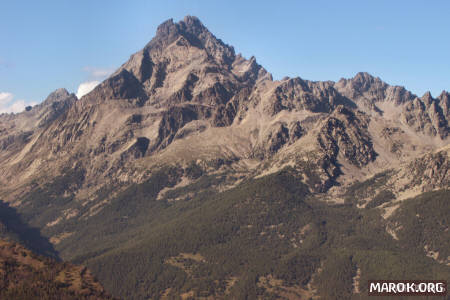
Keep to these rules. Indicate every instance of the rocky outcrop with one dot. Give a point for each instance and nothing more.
(124, 85)
(277, 136)
(196, 34)
(427, 116)
(366, 89)
(15, 142)
(19, 130)
(174, 119)
(363, 87)
(429, 172)
(345, 133)
(444, 102)
(56, 104)
(298, 94)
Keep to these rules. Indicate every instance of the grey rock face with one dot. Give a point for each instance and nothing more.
(56, 104)
(279, 135)
(17, 130)
(426, 115)
(298, 94)
(345, 133)
(174, 119)
(121, 86)
(444, 102)
(193, 33)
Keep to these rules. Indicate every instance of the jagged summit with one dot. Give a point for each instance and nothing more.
(368, 90)
(189, 24)
(57, 96)
(427, 97)
(184, 63)
(191, 31)
(444, 99)
(365, 77)
(362, 82)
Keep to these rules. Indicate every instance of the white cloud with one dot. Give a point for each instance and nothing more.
(5, 98)
(9, 105)
(86, 87)
(17, 106)
(98, 73)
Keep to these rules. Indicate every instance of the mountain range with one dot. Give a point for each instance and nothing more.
(191, 173)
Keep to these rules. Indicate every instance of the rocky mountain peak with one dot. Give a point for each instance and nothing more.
(170, 68)
(364, 81)
(364, 77)
(165, 28)
(193, 24)
(188, 24)
(363, 87)
(57, 95)
(427, 98)
(444, 100)
(192, 31)
(56, 103)
(368, 90)
(444, 94)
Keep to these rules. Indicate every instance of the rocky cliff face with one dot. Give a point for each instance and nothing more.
(425, 114)
(19, 132)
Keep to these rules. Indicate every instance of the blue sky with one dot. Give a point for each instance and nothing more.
(47, 44)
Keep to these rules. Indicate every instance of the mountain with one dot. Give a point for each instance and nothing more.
(190, 172)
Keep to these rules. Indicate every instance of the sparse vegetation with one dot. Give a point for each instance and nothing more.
(368, 188)
(382, 197)
(423, 222)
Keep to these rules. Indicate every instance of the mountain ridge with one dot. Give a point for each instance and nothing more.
(186, 121)
(208, 83)
(172, 90)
